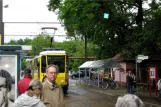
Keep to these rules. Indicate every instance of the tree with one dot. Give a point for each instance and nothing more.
(26, 41)
(129, 28)
(40, 42)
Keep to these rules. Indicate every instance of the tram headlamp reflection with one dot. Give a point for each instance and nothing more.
(62, 81)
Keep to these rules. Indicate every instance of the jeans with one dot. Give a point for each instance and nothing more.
(130, 89)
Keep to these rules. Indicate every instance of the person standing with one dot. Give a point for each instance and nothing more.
(31, 98)
(23, 84)
(52, 93)
(130, 81)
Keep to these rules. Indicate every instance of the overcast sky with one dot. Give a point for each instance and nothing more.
(28, 11)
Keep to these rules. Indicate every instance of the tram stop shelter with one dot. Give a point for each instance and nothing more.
(97, 66)
(85, 67)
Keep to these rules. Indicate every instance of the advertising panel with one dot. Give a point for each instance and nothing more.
(152, 73)
(8, 79)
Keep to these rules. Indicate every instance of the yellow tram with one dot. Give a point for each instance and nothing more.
(51, 56)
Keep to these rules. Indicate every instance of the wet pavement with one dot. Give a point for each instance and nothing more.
(143, 95)
(82, 96)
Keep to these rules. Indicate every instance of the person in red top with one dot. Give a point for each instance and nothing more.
(23, 84)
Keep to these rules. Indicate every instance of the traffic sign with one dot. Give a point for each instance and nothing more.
(142, 57)
(138, 60)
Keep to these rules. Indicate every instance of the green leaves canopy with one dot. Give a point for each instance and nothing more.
(130, 28)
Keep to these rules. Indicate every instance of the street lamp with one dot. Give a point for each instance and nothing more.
(6, 6)
(1, 22)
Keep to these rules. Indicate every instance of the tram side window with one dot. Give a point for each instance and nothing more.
(43, 69)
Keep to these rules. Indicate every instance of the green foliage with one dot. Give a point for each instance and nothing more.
(54, 4)
(23, 63)
(86, 17)
(26, 41)
(130, 29)
(40, 42)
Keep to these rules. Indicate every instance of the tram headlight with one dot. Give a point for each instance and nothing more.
(62, 81)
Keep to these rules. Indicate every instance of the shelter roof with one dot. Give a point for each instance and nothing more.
(23, 49)
(110, 63)
(106, 63)
(86, 64)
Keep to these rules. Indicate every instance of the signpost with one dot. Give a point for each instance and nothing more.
(152, 77)
(142, 57)
(139, 59)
